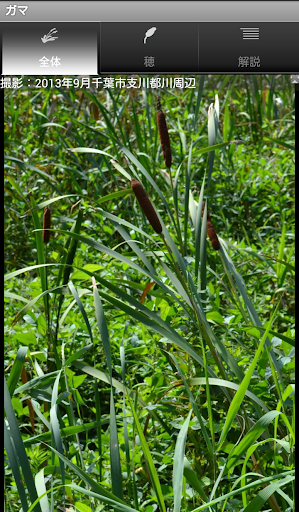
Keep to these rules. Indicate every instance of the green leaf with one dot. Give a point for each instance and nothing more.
(114, 446)
(64, 432)
(193, 480)
(16, 369)
(20, 452)
(87, 479)
(14, 464)
(194, 405)
(252, 435)
(237, 400)
(55, 424)
(257, 503)
(257, 483)
(149, 460)
(41, 490)
(39, 245)
(215, 316)
(178, 464)
(80, 305)
(201, 381)
(280, 142)
(77, 355)
(118, 385)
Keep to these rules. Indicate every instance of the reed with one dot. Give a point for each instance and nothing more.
(46, 225)
(146, 205)
(164, 136)
(211, 231)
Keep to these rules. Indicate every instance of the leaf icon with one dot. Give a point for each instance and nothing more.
(149, 33)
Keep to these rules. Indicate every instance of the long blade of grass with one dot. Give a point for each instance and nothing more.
(64, 432)
(31, 303)
(258, 502)
(121, 507)
(41, 381)
(114, 446)
(126, 434)
(194, 406)
(149, 460)
(198, 228)
(201, 381)
(70, 247)
(14, 464)
(187, 188)
(41, 490)
(251, 485)
(39, 245)
(250, 451)
(193, 480)
(252, 435)
(16, 369)
(242, 289)
(178, 464)
(288, 391)
(96, 390)
(136, 249)
(280, 142)
(82, 310)
(237, 400)
(86, 478)
(55, 430)
(19, 446)
(212, 132)
(98, 374)
(203, 253)
(50, 180)
(116, 475)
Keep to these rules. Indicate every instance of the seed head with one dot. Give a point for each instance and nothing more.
(213, 235)
(146, 205)
(164, 137)
(211, 231)
(46, 225)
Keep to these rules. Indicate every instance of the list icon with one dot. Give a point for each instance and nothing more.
(250, 32)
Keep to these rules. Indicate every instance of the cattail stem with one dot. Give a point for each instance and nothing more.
(50, 365)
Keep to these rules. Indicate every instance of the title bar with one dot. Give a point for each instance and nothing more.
(132, 11)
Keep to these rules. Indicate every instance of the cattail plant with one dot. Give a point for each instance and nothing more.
(146, 205)
(164, 136)
(211, 231)
(46, 225)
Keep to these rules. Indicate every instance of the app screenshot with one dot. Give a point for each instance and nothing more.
(149, 255)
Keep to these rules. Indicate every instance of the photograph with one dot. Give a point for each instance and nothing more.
(149, 294)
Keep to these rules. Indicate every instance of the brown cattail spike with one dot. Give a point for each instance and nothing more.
(211, 232)
(213, 235)
(164, 136)
(146, 205)
(46, 225)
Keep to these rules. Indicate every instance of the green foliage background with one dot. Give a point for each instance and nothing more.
(172, 439)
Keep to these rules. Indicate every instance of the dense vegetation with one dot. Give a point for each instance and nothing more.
(145, 370)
